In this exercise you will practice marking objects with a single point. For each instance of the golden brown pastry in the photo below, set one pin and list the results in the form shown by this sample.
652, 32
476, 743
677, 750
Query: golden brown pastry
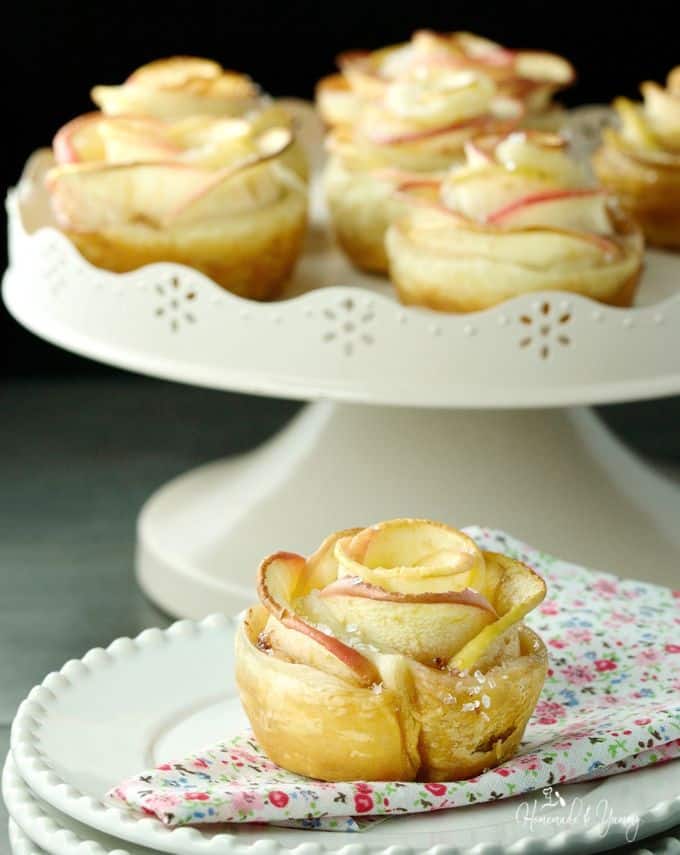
395, 652
525, 80
417, 128
518, 217
217, 194
640, 160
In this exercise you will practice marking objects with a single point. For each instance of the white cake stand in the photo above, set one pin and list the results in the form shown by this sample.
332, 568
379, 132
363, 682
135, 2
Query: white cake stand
509, 444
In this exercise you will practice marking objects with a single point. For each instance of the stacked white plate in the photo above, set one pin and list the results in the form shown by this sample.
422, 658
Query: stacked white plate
164, 694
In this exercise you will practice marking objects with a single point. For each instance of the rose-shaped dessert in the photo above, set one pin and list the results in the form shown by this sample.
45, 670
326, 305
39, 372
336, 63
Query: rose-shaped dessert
519, 216
525, 80
215, 194
640, 160
395, 652
418, 127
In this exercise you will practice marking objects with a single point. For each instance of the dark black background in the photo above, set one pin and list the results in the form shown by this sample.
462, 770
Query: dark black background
55, 51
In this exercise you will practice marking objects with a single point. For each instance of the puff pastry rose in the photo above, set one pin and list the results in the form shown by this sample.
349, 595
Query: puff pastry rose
395, 652
217, 194
525, 80
518, 217
640, 160
418, 127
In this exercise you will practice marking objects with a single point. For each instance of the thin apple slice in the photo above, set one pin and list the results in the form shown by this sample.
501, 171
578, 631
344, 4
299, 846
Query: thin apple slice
412, 556
79, 140
574, 208
251, 181
540, 248
426, 194
280, 578
486, 50
430, 628
662, 111
175, 72
96, 196
337, 103
544, 67
97, 137
441, 98
179, 87
404, 137
673, 81
602, 244
655, 157
349, 586
322, 565
635, 129
128, 140
193, 75
540, 154
519, 590
476, 192
220, 143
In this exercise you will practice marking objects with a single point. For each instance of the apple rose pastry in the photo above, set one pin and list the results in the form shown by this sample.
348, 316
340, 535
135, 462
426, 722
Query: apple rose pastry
395, 652
215, 194
418, 127
640, 160
525, 80
517, 217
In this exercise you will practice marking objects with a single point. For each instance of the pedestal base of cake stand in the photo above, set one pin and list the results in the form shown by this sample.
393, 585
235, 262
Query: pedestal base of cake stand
556, 478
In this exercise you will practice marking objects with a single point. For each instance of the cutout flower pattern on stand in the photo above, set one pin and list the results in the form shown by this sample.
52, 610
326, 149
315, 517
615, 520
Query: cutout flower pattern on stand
175, 304
545, 329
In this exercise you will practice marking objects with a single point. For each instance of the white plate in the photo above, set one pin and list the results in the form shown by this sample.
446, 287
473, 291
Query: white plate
22, 845
36, 827
166, 693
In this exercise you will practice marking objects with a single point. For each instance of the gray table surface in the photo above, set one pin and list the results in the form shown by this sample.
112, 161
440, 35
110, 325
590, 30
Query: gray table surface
78, 457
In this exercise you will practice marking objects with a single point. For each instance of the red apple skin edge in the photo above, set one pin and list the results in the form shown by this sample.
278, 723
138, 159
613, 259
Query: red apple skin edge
363, 668
501, 214
224, 174
604, 244
395, 139
347, 587
62, 144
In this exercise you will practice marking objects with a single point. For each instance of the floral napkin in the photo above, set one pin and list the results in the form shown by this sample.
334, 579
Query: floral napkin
611, 703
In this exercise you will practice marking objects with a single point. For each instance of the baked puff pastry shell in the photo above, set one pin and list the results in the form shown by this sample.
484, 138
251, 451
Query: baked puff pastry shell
395, 652
640, 160
525, 80
518, 217
216, 194
418, 128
